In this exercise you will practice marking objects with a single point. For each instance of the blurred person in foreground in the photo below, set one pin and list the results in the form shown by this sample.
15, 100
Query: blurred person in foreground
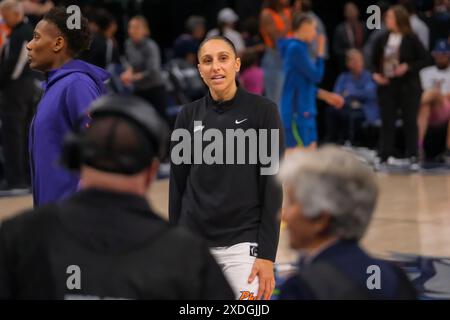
105, 242
331, 197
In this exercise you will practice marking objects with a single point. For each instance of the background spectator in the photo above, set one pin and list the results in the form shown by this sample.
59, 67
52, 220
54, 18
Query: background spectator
275, 23
435, 106
349, 34
144, 70
186, 45
303, 74
103, 50
307, 7
439, 21
360, 94
251, 75
375, 35
18, 99
331, 197
398, 57
418, 26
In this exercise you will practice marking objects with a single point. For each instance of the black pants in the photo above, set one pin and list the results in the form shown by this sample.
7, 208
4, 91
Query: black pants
157, 96
393, 98
17, 106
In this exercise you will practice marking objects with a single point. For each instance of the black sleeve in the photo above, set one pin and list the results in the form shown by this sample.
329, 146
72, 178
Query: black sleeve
214, 284
421, 57
271, 192
16, 42
178, 175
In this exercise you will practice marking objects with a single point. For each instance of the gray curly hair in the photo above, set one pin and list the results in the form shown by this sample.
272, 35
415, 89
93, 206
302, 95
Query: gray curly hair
333, 181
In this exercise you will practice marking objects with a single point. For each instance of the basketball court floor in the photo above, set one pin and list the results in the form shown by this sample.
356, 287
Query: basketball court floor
411, 225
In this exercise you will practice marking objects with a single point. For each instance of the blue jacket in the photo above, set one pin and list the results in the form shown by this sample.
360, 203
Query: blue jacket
352, 262
68, 92
363, 90
302, 75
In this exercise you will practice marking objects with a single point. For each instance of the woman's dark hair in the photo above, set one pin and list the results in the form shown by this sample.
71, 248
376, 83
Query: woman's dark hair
300, 19
78, 39
225, 39
402, 19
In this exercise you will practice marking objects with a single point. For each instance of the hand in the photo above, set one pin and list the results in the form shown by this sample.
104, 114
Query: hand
137, 76
380, 80
127, 77
401, 69
335, 100
264, 270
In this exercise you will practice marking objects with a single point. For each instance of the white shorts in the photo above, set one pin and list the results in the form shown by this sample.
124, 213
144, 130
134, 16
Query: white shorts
237, 262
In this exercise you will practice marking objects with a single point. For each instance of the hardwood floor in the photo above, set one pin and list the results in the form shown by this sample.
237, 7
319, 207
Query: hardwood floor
412, 216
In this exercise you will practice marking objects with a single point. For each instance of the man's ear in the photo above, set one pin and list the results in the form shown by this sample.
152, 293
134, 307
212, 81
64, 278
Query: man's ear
59, 44
322, 224
152, 171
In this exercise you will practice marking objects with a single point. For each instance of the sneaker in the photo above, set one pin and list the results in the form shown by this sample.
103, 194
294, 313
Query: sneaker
414, 164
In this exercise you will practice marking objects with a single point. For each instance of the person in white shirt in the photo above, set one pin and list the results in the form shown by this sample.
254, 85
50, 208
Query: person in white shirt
435, 103
226, 20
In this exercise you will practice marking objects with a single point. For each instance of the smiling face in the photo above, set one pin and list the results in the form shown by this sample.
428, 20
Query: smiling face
45, 46
218, 66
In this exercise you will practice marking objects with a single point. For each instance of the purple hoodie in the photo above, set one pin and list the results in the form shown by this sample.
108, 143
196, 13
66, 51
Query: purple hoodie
68, 92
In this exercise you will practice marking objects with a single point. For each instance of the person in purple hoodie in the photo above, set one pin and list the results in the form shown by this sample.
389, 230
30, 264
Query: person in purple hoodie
70, 87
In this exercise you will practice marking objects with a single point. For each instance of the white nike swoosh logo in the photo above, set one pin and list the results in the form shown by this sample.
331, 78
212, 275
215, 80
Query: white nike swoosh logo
198, 128
238, 122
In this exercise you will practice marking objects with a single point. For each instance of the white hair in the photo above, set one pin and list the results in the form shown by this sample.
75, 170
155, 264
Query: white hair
13, 5
332, 181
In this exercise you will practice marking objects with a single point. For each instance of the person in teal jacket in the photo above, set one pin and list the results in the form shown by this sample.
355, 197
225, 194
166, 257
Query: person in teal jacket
302, 75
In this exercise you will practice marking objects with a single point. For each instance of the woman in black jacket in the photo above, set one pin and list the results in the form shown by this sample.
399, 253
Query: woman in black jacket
398, 58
